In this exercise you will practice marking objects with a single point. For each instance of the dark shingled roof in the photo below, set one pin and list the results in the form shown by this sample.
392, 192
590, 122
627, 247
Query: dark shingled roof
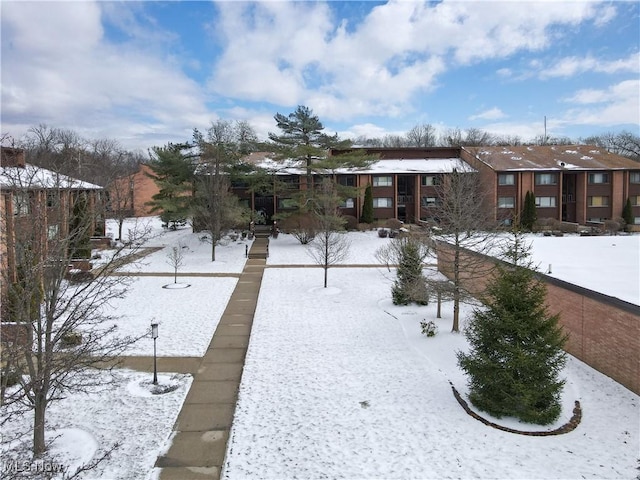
551, 157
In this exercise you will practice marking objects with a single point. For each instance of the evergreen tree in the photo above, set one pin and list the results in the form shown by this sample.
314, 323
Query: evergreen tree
516, 349
410, 285
79, 229
529, 215
174, 175
302, 141
367, 207
627, 212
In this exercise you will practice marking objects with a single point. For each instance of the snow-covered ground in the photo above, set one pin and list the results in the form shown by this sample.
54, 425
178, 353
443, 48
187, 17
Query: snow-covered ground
339, 383
83, 426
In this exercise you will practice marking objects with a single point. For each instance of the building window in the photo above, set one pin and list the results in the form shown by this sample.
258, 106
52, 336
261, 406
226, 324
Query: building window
53, 199
21, 203
430, 180
287, 203
348, 203
382, 181
598, 178
546, 179
636, 220
598, 201
52, 232
506, 179
429, 201
506, 202
545, 202
383, 202
635, 200
347, 180
634, 177
507, 222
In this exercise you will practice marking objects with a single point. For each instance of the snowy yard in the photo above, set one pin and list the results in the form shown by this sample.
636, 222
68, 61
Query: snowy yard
338, 382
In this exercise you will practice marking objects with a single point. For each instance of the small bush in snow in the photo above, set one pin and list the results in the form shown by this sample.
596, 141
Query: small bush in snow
429, 328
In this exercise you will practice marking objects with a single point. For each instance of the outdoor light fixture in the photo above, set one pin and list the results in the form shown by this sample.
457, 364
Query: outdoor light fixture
154, 335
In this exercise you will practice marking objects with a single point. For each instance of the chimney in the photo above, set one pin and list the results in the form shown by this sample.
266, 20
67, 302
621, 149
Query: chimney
12, 157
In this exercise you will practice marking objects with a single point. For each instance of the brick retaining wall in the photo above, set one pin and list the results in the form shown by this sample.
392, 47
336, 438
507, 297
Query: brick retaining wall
604, 332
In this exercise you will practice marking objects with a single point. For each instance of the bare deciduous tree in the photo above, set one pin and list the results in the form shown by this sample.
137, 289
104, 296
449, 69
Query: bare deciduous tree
465, 221
175, 258
66, 332
215, 208
330, 246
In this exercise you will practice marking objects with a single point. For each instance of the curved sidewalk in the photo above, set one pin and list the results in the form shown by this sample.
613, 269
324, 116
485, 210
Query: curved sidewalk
202, 428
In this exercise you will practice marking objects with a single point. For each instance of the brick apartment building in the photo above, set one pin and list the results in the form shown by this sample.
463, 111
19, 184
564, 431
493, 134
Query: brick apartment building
576, 183
131, 194
40, 202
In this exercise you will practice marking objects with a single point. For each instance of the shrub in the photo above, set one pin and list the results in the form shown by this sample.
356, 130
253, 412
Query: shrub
351, 222
394, 224
429, 328
71, 339
10, 377
303, 226
364, 227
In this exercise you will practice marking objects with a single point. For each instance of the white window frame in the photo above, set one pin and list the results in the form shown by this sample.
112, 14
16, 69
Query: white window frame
600, 178
383, 202
546, 179
383, 181
506, 202
347, 203
506, 179
430, 180
603, 198
635, 200
21, 203
428, 202
552, 202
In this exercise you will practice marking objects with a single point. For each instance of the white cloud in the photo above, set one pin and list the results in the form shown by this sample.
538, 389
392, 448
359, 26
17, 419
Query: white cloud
570, 66
492, 114
617, 105
370, 68
58, 68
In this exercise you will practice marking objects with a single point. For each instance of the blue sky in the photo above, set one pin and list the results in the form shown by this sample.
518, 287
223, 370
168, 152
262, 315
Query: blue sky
146, 73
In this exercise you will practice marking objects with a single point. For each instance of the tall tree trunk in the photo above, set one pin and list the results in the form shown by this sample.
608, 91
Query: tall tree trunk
40, 408
456, 288
439, 312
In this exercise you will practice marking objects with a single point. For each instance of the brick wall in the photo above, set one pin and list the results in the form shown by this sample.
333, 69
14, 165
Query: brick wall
604, 332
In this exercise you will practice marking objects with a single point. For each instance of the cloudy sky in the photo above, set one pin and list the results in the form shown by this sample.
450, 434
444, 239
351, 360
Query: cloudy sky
146, 73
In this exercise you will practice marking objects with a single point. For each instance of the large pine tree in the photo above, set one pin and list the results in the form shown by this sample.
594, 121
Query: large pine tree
516, 352
173, 172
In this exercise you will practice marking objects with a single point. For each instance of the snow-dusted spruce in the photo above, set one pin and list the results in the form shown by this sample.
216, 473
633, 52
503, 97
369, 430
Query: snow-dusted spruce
67, 335
408, 252
516, 347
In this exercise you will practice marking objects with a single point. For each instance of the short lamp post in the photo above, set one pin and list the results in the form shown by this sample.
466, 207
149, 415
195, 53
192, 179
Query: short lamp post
154, 335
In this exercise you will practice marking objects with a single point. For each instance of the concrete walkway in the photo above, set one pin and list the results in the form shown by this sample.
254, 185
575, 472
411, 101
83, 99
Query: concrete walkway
202, 428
